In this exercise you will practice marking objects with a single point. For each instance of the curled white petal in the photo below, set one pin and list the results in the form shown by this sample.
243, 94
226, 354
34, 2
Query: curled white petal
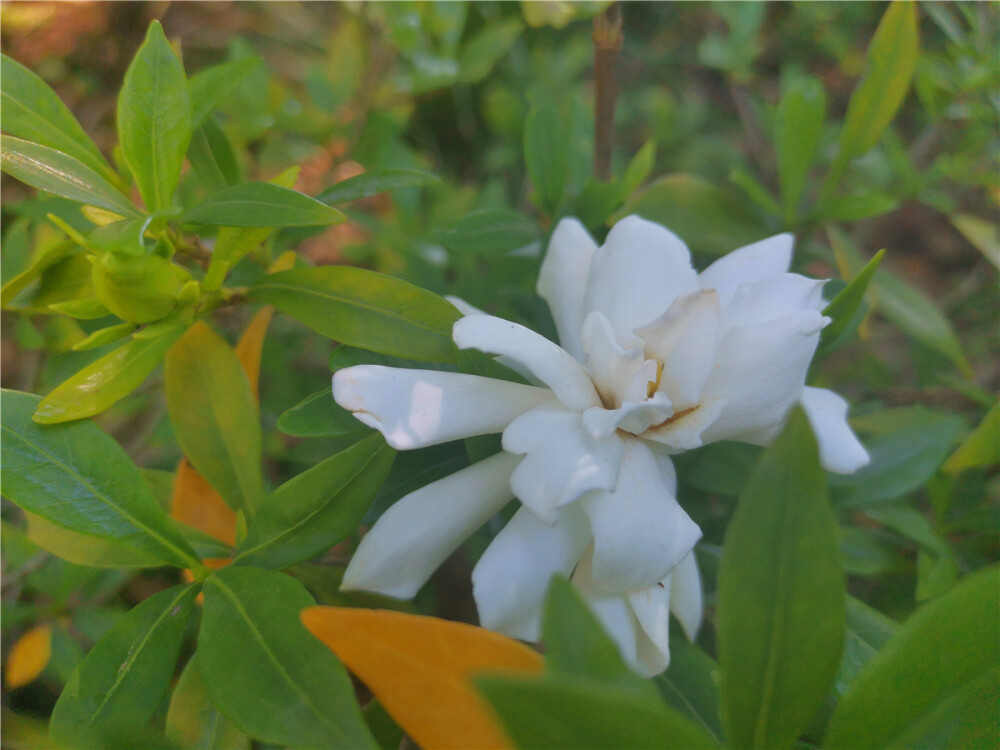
619, 375
548, 362
632, 417
511, 579
413, 537
417, 408
561, 460
652, 612
772, 297
684, 430
748, 264
840, 451
640, 531
686, 597
563, 280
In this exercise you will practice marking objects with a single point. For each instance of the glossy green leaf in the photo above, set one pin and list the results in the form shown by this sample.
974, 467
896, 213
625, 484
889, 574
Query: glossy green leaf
44, 465
842, 308
780, 621
981, 448
154, 119
690, 685
53, 171
262, 204
194, 722
364, 309
493, 231
213, 157
486, 48
798, 126
266, 672
577, 713
106, 381
314, 510
84, 549
34, 111
319, 415
208, 87
708, 219
867, 631
214, 414
935, 683
375, 182
118, 686
546, 154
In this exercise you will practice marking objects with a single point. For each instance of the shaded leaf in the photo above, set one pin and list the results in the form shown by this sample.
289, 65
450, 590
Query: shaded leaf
868, 630
194, 722
546, 154
485, 49
690, 685
208, 87
492, 231
262, 204
797, 129
981, 448
842, 308
375, 182
319, 415
213, 157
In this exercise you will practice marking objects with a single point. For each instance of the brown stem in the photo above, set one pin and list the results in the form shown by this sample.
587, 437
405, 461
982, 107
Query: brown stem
607, 41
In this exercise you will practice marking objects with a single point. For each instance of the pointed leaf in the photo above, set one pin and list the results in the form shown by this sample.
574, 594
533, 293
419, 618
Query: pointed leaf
251, 345
867, 631
194, 722
935, 684
214, 415
797, 130
780, 617
486, 48
420, 667
489, 232
690, 685
84, 549
546, 153
28, 656
364, 309
46, 465
213, 157
262, 204
106, 381
212, 85
118, 686
375, 182
264, 670
981, 448
318, 508
55, 172
639, 169
319, 415
154, 119
842, 308
33, 110
196, 503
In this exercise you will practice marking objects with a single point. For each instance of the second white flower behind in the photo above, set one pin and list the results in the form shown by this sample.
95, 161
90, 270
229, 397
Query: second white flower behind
655, 359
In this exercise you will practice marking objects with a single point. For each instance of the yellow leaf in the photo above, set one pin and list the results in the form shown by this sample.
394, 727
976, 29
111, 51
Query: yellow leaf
196, 503
419, 668
29, 656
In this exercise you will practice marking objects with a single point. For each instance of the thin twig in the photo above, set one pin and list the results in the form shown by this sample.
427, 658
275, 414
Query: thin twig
607, 41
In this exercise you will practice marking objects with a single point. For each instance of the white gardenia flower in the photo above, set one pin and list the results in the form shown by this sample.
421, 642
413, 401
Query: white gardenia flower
655, 359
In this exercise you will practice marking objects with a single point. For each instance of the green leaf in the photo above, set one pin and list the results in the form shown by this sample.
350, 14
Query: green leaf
577, 646
798, 126
262, 204
386, 731
780, 622
154, 119
755, 191
981, 448
577, 713
892, 58
489, 232
103, 336
213, 157
214, 414
485, 49
106, 381
546, 154
318, 508
708, 219
319, 415
45, 258
364, 309
596, 202
192, 720
208, 87
639, 169
690, 685
119, 684
842, 308
935, 683
375, 182
53, 171
862, 204
867, 631
33, 110
266, 672
45, 466
84, 549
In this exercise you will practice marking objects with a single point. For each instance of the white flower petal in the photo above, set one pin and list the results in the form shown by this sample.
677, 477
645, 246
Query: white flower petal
612, 610
619, 375
562, 281
684, 430
640, 531
631, 417
650, 659
763, 301
417, 408
684, 340
685, 595
840, 451
416, 534
638, 272
553, 366
464, 307
562, 461
652, 611
748, 264
511, 579
761, 370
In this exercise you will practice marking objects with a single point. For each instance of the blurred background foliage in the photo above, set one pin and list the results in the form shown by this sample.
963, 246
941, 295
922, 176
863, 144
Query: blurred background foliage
448, 88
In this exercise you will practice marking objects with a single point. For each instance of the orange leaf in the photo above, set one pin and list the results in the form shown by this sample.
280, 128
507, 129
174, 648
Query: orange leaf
419, 668
251, 344
29, 656
196, 503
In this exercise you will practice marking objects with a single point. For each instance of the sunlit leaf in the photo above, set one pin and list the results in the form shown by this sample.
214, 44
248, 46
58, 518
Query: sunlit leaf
84, 549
